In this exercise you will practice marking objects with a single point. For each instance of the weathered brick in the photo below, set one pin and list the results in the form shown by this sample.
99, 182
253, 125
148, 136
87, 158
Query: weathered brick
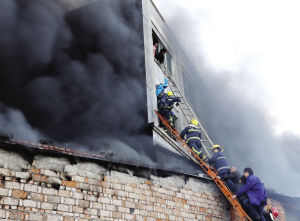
23, 175
16, 215
2, 213
92, 181
77, 195
40, 178
63, 207
91, 211
69, 183
5, 172
4, 192
12, 185
48, 206
128, 216
69, 201
78, 179
20, 194
34, 216
29, 203
117, 215
96, 205
83, 203
9, 201
68, 218
95, 188
110, 207
52, 217
47, 191
64, 193
36, 197
106, 213
77, 209
48, 172
90, 198
53, 199
84, 186
30, 188
105, 200
34, 170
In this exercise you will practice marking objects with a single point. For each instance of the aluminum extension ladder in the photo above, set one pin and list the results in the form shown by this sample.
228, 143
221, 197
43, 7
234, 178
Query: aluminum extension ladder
186, 109
210, 172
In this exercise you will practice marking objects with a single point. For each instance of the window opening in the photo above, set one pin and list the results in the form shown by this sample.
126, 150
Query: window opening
160, 52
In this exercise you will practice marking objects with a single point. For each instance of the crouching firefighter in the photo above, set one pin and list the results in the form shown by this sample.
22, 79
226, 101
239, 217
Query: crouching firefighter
219, 162
166, 105
193, 138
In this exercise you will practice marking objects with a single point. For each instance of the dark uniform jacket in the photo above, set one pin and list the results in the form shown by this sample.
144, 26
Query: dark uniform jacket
219, 162
235, 177
167, 102
191, 132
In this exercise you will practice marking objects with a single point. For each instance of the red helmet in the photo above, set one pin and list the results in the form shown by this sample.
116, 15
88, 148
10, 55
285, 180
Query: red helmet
275, 212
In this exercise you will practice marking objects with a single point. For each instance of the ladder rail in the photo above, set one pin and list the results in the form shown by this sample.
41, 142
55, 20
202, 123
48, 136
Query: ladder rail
168, 76
222, 186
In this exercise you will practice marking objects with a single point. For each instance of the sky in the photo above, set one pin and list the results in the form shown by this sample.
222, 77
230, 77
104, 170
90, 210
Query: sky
259, 37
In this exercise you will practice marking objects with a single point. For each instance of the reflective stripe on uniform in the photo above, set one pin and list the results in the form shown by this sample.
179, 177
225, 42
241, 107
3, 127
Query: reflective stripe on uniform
193, 130
196, 151
225, 167
219, 158
199, 153
190, 138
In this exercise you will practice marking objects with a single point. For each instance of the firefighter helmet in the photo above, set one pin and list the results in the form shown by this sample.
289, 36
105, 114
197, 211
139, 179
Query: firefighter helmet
217, 146
170, 93
195, 122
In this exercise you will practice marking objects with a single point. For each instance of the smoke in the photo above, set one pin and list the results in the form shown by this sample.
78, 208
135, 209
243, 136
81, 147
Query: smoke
231, 106
78, 78
15, 122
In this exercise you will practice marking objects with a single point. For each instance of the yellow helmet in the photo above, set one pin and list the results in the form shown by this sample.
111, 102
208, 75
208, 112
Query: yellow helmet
170, 93
195, 122
217, 146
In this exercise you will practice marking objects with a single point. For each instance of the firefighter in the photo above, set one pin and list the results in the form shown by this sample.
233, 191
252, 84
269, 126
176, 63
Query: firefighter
271, 214
193, 137
160, 88
219, 162
167, 104
257, 196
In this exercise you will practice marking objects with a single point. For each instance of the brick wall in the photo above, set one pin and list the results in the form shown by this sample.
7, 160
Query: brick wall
274, 203
51, 188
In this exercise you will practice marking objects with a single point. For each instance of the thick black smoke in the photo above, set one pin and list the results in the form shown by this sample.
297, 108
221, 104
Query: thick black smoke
234, 119
78, 78
68, 70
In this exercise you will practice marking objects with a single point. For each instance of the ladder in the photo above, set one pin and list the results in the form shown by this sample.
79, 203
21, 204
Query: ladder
186, 108
210, 172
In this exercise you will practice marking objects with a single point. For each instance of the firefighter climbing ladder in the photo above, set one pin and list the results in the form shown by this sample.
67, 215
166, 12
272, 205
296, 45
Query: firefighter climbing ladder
186, 109
222, 186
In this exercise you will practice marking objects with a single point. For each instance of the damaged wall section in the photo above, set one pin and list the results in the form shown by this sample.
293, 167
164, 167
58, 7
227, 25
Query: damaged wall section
49, 186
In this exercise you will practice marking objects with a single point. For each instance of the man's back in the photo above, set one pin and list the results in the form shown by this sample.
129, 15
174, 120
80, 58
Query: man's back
219, 161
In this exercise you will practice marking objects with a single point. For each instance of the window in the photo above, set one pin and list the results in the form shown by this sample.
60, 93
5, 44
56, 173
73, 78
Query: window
168, 63
160, 53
